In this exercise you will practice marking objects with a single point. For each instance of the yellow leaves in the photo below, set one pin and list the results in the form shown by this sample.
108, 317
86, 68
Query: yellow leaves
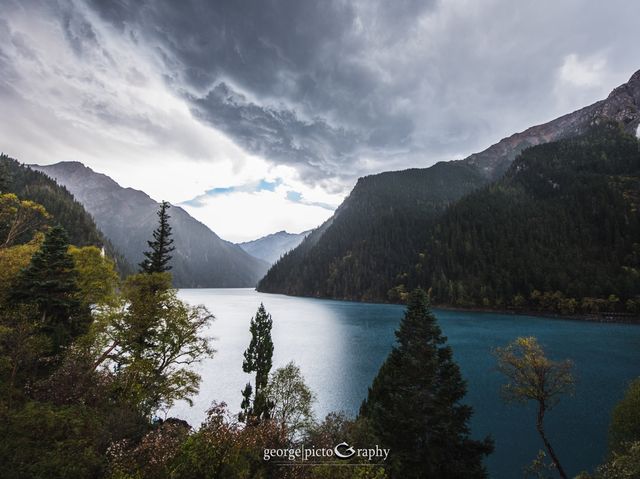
13, 260
531, 374
19, 218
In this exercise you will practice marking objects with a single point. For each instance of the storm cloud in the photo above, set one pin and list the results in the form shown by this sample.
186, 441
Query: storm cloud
331, 89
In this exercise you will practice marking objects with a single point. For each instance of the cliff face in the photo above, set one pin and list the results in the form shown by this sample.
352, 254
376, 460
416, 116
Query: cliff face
128, 217
622, 105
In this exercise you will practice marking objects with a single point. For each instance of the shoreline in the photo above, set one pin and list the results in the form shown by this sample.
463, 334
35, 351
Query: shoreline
619, 318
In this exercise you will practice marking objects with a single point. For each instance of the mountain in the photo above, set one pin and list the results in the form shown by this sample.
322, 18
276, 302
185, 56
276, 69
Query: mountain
128, 217
374, 237
560, 231
271, 247
33, 185
622, 105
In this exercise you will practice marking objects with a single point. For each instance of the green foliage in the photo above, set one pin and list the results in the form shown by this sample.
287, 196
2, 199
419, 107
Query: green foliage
158, 257
415, 403
290, 399
625, 420
258, 359
50, 283
375, 234
559, 232
97, 277
150, 339
44, 441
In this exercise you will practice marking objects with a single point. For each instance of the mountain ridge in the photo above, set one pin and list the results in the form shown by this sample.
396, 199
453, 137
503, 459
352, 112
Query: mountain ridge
271, 247
128, 216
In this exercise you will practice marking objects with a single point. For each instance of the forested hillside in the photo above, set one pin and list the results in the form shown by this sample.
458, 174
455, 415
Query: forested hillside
375, 233
33, 185
559, 232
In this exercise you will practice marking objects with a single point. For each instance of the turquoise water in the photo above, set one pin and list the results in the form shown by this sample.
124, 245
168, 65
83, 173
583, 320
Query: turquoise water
339, 347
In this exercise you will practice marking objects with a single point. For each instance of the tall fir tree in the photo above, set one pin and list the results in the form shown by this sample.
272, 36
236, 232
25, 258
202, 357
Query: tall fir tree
414, 404
50, 282
258, 359
158, 257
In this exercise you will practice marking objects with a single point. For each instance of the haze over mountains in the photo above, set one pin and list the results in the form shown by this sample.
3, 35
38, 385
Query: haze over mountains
375, 239
270, 248
128, 217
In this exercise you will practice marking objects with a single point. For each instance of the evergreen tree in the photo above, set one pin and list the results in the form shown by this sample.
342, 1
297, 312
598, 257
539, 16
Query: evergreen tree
157, 259
50, 283
258, 359
414, 404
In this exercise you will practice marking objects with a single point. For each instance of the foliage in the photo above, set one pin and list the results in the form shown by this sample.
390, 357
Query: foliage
97, 277
12, 261
414, 404
150, 339
50, 283
290, 399
258, 359
532, 376
625, 420
19, 219
158, 257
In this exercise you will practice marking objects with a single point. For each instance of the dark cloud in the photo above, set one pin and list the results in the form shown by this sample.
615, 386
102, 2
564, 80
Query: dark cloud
341, 88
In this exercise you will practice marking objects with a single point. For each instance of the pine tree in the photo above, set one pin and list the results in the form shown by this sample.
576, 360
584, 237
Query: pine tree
258, 359
157, 259
414, 404
50, 283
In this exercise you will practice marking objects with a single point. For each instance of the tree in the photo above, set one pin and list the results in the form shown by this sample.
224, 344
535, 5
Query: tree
532, 376
19, 219
291, 400
625, 420
149, 340
414, 404
97, 277
157, 259
51, 283
258, 359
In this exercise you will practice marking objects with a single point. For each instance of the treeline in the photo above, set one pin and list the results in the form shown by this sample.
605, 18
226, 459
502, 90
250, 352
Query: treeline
374, 234
559, 232
60, 204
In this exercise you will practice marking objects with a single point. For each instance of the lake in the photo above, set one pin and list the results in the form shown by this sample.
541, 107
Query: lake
340, 345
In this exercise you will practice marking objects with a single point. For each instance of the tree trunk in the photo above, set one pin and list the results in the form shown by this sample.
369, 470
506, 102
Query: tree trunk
547, 444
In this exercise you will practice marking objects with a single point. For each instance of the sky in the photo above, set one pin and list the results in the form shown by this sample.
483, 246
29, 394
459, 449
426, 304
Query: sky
259, 115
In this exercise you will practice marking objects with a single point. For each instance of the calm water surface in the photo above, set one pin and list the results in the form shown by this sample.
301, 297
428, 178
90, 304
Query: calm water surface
339, 347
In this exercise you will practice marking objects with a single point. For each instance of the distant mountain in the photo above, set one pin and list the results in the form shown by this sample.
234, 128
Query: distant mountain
271, 247
33, 185
560, 231
376, 235
128, 217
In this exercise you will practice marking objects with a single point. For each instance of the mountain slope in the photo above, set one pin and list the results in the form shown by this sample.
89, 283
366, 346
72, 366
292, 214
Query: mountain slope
622, 105
271, 247
371, 238
60, 203
128, 217
372, 235
560, 231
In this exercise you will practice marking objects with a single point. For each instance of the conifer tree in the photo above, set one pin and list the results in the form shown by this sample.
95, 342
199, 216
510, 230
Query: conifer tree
158, 257
258, 359
50, 283
414, 404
